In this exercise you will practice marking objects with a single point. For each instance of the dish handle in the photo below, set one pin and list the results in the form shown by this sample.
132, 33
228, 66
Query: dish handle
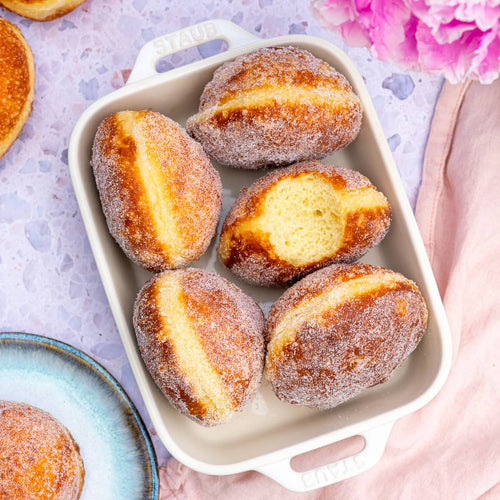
324, 475
186, 38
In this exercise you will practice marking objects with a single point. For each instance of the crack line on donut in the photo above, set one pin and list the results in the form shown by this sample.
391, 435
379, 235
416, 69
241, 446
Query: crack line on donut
191, 357
286, 329
155, 188
326, 98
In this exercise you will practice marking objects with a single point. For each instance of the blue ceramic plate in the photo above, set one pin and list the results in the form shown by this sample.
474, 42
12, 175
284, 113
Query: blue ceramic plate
116, 449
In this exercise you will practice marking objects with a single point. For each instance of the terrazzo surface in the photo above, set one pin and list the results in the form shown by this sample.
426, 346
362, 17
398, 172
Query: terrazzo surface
49, 281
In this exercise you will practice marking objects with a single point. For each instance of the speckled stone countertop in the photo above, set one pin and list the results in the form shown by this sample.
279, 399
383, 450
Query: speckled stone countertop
49, 281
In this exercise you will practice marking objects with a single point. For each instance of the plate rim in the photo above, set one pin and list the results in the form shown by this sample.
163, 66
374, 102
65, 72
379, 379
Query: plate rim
78, 355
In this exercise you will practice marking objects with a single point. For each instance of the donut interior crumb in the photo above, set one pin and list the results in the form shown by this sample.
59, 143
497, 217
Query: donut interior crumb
304, 217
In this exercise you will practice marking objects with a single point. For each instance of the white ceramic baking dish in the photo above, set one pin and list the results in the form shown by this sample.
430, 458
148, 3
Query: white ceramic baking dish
268, 433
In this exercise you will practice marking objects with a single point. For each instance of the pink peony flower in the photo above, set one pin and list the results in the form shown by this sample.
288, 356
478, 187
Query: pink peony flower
457, 38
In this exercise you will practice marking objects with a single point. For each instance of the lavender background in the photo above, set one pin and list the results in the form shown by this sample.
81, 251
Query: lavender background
49, 284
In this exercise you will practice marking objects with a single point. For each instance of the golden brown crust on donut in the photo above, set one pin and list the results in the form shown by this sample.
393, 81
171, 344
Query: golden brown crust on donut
300, 218
160, 194
275, 106
41, 10
341, 330
17, 83
202, 340
39, 458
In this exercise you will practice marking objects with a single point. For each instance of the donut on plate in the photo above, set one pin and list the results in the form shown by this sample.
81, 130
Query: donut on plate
38, 457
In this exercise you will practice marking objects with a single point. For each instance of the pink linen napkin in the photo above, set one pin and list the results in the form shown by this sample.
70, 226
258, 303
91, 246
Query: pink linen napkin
450, 449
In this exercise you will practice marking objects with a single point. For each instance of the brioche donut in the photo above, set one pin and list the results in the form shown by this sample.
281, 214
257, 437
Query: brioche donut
202, 340
38, 457
17, 83
300, 218
159, 192
273, 107
341, 330
41, 10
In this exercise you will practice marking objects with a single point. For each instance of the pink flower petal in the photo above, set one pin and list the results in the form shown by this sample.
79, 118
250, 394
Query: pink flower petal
333, 13
453, 60
458, 38
355, 35
486, 62
342, 17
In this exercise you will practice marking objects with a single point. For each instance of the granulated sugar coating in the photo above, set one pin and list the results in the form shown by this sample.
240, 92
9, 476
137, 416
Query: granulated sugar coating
41, 10
17, 83
273, 107
202, 340
159, 192
341, 330
38, 457
300, 218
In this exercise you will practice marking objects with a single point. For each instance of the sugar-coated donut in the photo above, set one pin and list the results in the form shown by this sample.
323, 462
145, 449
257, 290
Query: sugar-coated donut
17, 83
159, 192
341, 330
275, 106
41, 10
38, 457
300, 218
202, 340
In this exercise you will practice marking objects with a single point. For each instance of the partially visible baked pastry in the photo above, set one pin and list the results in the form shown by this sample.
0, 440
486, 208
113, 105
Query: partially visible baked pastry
41, 10
202, 340
300, 218
38, 457
159, 192
341, 330
275, 106
17, 83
